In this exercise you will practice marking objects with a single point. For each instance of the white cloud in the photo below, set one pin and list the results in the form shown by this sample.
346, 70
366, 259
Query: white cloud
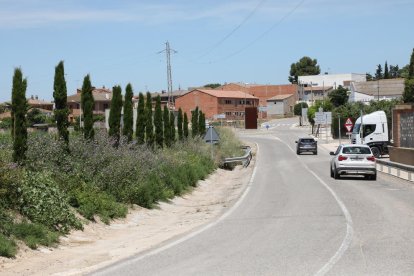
35, 13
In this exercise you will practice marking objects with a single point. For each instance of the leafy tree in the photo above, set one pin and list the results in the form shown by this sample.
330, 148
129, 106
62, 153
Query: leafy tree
115, 113
19, 108
369, 77
304, 67
88, 103
141, 120
378, 73
394, 72
194, 122
149, 127
34, 116
403, 72
338, 96
180, 124
61, 106
172, 127
297, 109
167, 131
185, 126
408, 95
212, 85
159, 133
128, 129
386, 72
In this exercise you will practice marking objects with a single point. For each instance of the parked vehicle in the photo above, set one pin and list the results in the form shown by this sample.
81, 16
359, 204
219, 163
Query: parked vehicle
307, 144
374, 132
353, 159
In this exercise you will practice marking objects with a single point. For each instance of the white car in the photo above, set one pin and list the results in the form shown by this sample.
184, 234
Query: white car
353, 159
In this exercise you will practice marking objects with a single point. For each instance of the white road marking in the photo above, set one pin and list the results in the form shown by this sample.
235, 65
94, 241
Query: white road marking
349, 224
193, 234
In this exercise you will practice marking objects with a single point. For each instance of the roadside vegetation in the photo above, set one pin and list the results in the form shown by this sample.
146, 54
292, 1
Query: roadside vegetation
51, 184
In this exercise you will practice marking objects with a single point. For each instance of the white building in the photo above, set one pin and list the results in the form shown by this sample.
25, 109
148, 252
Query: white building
333, 80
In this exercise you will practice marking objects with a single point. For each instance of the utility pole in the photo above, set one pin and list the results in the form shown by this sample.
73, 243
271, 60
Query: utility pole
168, 51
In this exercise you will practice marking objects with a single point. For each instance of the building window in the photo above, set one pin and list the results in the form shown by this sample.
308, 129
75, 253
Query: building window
227, 101
228, 113
106, 106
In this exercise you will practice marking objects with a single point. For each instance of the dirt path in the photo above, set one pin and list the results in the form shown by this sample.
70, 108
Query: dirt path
100, 245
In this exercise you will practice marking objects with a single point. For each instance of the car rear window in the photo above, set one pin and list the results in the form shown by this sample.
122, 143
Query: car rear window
356, 150
307, 140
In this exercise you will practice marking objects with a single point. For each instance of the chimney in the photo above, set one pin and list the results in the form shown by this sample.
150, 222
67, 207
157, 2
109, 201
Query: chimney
37, 97
32, 97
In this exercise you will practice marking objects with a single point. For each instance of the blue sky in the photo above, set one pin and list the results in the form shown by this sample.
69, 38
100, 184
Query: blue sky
253, 41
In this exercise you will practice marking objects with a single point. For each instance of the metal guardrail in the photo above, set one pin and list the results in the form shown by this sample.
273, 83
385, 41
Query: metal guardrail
245, 159
407, 168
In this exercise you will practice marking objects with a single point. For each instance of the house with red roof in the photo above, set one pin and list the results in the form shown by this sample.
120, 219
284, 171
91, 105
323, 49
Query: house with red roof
217, 102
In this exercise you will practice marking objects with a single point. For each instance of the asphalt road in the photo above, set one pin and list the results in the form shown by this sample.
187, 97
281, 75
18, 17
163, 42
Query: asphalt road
295, 220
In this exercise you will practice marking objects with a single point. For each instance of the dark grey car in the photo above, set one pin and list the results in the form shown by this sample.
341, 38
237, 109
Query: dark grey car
307, 144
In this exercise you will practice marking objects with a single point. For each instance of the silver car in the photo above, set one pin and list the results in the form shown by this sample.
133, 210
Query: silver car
353, 160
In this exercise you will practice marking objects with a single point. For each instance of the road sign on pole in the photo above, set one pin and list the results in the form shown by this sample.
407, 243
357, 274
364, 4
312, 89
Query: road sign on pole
348, 124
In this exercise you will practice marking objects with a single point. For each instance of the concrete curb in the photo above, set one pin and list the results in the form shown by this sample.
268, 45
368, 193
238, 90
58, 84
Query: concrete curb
402, 171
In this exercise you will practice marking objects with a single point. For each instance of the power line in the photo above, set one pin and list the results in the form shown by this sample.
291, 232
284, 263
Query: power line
261, 35
234, 30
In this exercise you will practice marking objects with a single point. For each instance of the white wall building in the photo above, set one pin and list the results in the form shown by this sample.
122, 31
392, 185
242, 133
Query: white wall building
333, 80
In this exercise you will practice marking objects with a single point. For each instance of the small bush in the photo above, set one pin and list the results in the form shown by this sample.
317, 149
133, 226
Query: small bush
42, 202
34, 234
90, 202
8, 248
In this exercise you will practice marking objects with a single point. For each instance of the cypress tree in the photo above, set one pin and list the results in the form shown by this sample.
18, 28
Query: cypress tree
167, 132
149, 127
172, 127
408, 95
386, 71
185, 126
140, 124
128, 130
194, 122
88, 103
61, 106
115, 113
159, 133
180, 124
19, 108
201, 123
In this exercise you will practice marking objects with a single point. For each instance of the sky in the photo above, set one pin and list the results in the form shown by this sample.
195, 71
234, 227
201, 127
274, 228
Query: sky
215, 41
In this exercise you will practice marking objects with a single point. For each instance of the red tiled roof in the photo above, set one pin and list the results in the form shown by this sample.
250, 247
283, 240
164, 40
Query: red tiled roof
226, 94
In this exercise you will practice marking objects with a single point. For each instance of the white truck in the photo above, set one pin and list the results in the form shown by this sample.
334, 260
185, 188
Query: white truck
374, 132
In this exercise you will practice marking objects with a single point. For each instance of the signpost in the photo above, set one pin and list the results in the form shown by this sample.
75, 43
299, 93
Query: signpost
348, 125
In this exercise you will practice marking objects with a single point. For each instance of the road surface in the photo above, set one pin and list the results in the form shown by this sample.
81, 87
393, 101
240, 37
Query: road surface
294, 219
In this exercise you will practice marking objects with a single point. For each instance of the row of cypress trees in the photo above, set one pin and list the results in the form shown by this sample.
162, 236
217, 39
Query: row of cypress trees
154, 128
163, 121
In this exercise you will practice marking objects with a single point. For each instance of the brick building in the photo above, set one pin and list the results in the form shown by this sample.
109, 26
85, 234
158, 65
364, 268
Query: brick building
214, 102
263, 92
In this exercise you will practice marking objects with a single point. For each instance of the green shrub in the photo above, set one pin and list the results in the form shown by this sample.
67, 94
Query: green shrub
42, 202
229, 146
34, 234
8, 248
90, 202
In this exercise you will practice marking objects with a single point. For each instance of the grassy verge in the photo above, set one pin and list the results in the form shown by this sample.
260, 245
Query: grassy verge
94, 179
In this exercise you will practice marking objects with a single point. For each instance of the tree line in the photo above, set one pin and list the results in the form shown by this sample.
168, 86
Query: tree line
155, 129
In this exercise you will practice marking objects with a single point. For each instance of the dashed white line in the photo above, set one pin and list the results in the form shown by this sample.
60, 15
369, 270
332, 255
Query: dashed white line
349, 224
